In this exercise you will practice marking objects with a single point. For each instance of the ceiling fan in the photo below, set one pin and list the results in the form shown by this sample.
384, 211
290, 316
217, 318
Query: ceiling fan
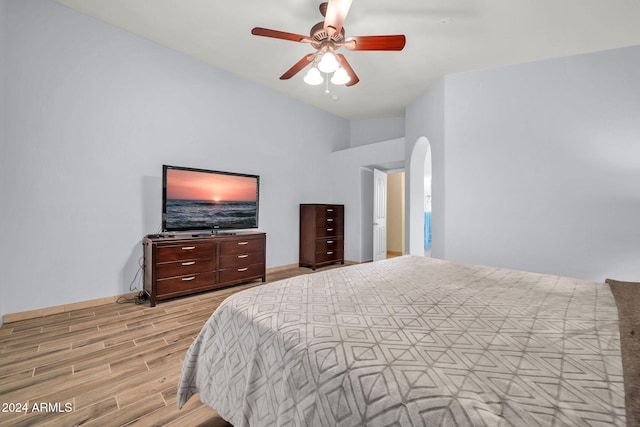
327, 37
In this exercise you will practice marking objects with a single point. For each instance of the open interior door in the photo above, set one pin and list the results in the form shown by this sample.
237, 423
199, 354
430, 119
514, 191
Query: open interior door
379, 215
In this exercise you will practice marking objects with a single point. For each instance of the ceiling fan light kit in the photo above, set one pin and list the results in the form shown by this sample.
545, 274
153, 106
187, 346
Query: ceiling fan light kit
328, 63
313, 77
327, 37
340, 77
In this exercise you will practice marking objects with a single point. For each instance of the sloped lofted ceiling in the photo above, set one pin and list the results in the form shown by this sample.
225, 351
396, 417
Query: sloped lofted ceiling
443, 37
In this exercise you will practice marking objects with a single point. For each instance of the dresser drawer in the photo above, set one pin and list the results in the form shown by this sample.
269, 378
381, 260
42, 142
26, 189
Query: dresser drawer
328, 212
241, 260
241, 273
185, 251
327, 256
323, 245
329, 222
329, 230
241, 246
186, 283
185, 267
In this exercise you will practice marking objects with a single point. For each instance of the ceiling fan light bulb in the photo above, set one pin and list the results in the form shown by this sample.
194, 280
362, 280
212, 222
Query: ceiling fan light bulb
340, 77
328, 63
313, 77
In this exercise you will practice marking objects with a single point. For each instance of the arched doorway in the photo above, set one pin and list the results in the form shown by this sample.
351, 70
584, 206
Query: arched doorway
419, 177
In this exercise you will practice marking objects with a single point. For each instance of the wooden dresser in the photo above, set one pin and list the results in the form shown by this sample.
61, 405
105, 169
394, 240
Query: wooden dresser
176, 266
321, 235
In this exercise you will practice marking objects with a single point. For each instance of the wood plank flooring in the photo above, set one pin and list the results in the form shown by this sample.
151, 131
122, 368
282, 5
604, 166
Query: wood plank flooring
111, 365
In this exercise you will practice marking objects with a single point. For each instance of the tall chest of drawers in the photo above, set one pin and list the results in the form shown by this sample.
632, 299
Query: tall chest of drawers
177, 266
321, 235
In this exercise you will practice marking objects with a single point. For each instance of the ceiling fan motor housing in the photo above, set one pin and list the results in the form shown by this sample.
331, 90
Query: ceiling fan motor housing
319, 35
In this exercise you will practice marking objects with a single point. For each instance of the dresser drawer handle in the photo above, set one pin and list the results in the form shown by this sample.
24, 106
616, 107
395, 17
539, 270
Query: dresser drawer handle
186, 279
330, 210
329, 219
243, 269
188, 248
243, 243
330, 253
329, 242
188, 263
243, 256
329, 229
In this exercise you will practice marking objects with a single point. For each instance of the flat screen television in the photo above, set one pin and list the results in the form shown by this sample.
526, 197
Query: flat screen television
200, 199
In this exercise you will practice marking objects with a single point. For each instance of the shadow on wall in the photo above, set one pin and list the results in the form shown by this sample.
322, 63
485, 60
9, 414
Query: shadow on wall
151, 204
131, 274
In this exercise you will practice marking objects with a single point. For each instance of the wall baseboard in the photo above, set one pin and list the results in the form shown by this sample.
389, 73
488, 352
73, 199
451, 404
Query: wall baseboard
272, 270
47, 311
57, 309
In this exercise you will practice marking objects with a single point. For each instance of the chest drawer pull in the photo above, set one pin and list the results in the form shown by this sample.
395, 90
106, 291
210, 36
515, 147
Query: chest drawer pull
330, 253
243, 256
330, 210
329, 229
186, 279
188, 263
243, 269
243, 243
329, 242
329, 219
188, 248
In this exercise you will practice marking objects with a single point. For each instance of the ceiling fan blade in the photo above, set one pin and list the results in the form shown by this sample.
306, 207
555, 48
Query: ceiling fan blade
335, 15
265, 32
308, 59
395, 42
347, 67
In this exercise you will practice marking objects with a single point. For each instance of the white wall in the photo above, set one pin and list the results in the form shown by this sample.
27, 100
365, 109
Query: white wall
367, 131
542, 165
353, 186
92, 114
425, 127
3, 165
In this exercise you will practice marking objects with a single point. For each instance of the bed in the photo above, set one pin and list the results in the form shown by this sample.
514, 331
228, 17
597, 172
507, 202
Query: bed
412, 341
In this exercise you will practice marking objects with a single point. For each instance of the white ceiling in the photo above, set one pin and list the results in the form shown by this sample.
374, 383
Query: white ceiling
443, 37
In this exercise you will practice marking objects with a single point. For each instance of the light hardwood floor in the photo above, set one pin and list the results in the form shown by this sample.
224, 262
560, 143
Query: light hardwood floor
111, 365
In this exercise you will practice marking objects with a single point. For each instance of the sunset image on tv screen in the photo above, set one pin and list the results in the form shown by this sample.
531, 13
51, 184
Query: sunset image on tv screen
210, 200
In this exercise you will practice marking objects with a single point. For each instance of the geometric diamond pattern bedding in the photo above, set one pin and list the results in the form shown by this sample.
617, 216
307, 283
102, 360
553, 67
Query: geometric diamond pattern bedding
412, 341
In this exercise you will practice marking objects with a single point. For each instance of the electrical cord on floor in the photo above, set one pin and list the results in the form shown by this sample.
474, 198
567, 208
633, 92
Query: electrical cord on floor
142, 296
139, 299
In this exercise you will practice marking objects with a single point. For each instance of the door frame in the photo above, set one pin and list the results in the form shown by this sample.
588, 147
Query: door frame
379, 215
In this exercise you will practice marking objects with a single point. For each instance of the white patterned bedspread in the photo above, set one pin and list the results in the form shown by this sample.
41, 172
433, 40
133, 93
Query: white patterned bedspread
412, 341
